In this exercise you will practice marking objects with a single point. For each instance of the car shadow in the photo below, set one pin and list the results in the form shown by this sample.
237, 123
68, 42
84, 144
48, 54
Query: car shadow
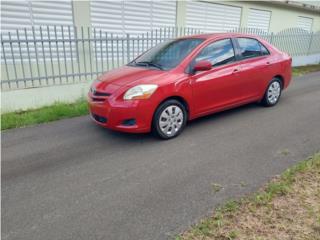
223, 114
143, 137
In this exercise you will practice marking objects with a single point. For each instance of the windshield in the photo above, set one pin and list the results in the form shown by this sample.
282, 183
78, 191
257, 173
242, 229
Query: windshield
167, 55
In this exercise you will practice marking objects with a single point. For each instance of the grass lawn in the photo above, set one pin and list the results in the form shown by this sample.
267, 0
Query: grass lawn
299, 71
287, 208
64, 110
46, 114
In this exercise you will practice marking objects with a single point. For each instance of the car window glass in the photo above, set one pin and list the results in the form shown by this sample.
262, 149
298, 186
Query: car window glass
264, 50
170, 53
249, 47
218, 53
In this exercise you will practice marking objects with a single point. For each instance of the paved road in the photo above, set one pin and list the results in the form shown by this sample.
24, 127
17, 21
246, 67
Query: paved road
73, 180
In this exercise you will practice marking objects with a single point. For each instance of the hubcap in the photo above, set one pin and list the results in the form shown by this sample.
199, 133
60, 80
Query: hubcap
171, 120
274, 92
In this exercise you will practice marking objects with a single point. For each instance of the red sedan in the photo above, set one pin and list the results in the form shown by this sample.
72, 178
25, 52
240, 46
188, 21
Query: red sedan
186, 78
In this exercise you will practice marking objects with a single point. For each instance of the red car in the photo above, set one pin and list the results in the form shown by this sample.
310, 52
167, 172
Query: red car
186, 78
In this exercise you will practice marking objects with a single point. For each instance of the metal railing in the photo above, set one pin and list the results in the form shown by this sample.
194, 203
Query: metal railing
294, 41
56, 55
63, 54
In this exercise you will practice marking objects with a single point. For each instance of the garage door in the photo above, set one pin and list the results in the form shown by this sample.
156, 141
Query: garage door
134, 17
305, 23
212, 17
259, 19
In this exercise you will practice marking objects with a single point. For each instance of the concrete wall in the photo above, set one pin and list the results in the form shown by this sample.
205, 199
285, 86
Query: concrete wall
306, 60
286, 15
31, 98
282, 17
81, 13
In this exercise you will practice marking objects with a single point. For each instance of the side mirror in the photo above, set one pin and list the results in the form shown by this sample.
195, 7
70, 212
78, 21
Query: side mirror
203, 65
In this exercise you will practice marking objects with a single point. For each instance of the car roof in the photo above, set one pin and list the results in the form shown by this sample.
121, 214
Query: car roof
219, 35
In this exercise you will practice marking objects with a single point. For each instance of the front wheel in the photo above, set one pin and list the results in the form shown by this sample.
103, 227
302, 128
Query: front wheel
273, 93
169, 119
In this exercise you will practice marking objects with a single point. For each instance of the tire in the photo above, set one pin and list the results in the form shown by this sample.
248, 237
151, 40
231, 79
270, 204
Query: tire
169, 119
273, 93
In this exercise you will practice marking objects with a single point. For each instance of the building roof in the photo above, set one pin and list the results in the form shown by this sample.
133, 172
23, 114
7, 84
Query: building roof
313, 6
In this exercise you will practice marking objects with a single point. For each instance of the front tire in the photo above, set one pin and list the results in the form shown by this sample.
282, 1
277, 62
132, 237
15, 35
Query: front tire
169, 119
273, 93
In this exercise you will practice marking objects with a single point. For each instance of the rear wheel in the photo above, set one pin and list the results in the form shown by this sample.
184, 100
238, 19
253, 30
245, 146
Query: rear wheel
273, 93
169, 119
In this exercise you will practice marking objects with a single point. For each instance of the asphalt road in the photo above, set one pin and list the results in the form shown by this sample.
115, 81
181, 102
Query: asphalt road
71, 179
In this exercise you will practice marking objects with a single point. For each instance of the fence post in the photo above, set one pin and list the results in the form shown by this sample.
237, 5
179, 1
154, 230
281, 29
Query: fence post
128, 47
310, 43
271, 38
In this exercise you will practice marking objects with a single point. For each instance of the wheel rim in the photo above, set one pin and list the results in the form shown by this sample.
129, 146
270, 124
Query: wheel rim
274, 92
171, 120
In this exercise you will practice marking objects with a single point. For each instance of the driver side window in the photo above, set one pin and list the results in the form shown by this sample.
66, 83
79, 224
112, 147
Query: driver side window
218, 53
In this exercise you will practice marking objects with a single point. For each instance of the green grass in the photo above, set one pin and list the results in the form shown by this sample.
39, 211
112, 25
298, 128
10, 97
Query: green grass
299, 71
63, 110
42, 115
227, 214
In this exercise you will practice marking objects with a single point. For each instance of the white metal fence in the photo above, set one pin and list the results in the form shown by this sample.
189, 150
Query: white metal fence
64, 54
294, 41
56, 55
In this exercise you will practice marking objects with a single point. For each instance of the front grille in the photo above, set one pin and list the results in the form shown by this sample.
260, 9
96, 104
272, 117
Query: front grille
101, 94
98, 96
98, 99
99, 118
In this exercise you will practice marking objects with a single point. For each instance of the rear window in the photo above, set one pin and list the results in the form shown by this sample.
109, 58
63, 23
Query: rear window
250, 48
264, 50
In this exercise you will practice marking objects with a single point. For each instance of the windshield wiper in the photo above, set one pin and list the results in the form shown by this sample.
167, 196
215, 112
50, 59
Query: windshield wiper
152, 64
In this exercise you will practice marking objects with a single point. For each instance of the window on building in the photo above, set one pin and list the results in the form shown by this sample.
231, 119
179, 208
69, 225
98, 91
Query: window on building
218, 53
133, 17
259, 19
305, 23
249, 47
212, 17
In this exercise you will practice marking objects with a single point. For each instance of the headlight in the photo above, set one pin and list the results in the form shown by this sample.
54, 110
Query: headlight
143, 91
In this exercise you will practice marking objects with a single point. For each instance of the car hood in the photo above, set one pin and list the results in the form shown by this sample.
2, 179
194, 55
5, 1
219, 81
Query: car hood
128, 76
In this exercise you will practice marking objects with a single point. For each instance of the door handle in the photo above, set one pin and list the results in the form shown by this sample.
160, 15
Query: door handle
268, 63
236, 70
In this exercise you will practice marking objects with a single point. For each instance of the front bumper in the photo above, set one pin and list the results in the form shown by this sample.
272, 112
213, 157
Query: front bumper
125, 116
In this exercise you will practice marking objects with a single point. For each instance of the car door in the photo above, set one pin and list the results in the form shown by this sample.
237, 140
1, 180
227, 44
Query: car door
216, 88
254, 63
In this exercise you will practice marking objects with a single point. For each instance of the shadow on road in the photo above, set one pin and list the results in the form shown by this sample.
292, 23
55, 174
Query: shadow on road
131, 137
